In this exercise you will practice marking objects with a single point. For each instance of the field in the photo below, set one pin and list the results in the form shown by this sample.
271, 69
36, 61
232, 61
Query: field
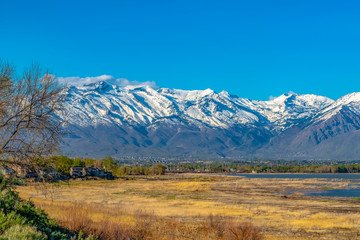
199, 206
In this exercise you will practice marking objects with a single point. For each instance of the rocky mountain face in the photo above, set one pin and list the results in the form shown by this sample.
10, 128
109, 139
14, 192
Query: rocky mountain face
105, 118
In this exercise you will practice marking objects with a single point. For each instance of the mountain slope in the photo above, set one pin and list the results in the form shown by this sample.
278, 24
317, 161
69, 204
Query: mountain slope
332, 133
106, 118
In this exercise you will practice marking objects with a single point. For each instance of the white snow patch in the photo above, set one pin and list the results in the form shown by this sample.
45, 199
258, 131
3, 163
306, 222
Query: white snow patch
119, 82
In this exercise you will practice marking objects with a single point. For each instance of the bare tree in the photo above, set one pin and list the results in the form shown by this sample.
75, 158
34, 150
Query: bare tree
28, 126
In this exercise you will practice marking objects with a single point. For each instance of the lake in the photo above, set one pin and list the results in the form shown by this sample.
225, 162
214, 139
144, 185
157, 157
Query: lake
345, 176
353, 189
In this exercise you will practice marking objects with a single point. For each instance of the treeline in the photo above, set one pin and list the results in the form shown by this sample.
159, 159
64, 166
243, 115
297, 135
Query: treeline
62, 165
251, 168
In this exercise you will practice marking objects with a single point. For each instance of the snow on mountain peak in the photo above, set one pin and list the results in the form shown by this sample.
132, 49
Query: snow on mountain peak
106, 100
207, 91
81, 82
351, 100
91, 81
225, 94
290, 107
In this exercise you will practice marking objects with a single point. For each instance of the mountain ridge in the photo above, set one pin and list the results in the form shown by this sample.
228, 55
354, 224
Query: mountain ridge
142, 120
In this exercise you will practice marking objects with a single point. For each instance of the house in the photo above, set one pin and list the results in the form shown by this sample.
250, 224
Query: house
95, 172
76, 172
18, 170
91, 171
7, 171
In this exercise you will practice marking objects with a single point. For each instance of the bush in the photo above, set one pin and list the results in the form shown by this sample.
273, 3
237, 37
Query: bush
63, 164
8, 220
221, 228
18, 232
243, 231
15, 211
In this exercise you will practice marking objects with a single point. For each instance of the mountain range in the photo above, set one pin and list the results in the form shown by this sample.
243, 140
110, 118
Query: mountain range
107, 118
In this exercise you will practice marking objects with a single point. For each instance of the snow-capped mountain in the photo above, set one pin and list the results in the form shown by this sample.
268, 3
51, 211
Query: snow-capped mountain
108, 118
286, 110
350, 101
333, 132
102, 103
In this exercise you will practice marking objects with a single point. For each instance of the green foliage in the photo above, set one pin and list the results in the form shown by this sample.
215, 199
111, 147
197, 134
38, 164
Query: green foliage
8, 220
63, 164
108, 163
123, 171
78, 162
44, 164
89, 162
18, 232
266, 167
157, 169
15, 211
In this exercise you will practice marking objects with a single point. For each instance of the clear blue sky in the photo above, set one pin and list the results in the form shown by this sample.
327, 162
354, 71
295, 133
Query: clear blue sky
254, 49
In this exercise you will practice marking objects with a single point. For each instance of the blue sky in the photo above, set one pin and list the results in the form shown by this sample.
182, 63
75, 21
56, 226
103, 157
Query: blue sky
254, 49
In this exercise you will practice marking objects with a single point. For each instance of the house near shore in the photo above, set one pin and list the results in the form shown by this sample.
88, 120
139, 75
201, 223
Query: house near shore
18, 170
95, 172
76, 172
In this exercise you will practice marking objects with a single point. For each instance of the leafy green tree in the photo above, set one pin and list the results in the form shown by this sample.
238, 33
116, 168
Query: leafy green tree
78, 162
122, 171
108, 163
63, 164
89, 162
138, 170
157, 169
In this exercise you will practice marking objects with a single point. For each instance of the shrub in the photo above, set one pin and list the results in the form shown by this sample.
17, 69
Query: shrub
18, 232
8, 220
63, 164
221, 228
15, 211
243, 231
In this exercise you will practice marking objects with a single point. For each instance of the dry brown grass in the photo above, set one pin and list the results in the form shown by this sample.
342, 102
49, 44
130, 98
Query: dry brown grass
178, 207
79, 217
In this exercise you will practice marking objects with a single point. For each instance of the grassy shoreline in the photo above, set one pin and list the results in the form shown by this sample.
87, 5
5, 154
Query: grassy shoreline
187, 201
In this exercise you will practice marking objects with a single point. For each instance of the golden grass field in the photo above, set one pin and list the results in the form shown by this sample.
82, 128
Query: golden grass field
184, 201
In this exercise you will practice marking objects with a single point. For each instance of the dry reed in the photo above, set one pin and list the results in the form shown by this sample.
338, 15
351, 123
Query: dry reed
78, 217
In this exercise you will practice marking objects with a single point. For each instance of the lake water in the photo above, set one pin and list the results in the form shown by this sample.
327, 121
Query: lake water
353, 189
344, 176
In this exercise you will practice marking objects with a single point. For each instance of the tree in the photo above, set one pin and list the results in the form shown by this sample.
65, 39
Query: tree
157, 169
28, 125
108, 163
98, 163
79, 162
89, 162
63, 164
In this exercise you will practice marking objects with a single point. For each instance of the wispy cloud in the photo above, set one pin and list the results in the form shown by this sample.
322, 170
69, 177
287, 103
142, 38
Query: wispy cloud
121, 82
